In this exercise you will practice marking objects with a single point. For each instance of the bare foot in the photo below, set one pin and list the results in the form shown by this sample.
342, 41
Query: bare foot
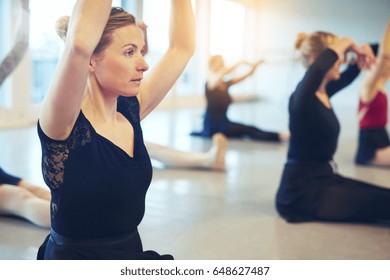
220, 144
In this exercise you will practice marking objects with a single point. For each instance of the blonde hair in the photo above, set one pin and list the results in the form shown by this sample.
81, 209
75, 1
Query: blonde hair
118, 18
213, 60
311, 45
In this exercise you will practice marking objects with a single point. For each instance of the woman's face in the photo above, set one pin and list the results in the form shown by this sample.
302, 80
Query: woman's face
333, 73
217, 63
120, 68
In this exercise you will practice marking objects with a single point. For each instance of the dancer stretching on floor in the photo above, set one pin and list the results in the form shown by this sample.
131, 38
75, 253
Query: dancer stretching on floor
310, 187
218, 102
374, 141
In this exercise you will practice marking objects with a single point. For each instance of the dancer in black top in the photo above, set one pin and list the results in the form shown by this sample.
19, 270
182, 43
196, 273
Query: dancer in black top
94, 159
218, 101
21, 198
310, 187
374, 140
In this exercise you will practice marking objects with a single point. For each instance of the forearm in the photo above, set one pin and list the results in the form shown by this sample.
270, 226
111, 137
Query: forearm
88, 20
376, 79
166, 72
313, 78
243, 77
384, 51
62, 102
182, 26
346, 78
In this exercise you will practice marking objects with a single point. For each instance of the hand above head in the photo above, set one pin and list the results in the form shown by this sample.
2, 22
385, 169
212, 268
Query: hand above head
364, 54
365, 57
143, 26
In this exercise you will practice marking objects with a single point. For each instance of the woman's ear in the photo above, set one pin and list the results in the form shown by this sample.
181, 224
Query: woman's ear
91, 66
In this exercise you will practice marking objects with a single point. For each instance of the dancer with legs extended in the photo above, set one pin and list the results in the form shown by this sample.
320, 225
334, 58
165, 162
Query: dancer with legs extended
218, 102
310, 187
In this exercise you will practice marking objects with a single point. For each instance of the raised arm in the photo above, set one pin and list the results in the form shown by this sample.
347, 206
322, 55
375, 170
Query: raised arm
62, 103
352, 72
162, 77
252, 69
230, 69
384, 50
376, 79
311, 82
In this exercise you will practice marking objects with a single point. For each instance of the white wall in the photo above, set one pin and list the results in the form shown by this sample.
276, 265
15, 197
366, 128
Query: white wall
279, 21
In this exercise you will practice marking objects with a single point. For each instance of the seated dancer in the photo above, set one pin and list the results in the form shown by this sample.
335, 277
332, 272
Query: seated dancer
374, 141
218, 101
310, 187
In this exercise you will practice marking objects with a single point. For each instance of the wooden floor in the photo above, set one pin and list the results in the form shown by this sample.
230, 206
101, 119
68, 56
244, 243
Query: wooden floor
195, 214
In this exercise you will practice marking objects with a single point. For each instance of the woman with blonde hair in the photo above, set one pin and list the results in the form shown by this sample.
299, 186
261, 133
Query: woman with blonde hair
218, 98
374, 141
93, 156
310, 187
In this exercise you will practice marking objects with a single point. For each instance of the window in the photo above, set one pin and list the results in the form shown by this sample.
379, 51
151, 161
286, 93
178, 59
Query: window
156, 16
227, 29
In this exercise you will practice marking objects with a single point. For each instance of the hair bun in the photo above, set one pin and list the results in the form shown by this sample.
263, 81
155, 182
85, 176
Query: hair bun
61, 26
299, 40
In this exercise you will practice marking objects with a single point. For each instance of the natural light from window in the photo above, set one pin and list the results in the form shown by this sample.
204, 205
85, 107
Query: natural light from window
227, 29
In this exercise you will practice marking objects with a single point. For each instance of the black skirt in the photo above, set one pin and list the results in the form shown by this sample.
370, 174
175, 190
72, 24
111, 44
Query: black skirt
313, 191
370, 140
124, 247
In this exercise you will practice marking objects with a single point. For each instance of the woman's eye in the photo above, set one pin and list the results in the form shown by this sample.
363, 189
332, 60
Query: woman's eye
129, 53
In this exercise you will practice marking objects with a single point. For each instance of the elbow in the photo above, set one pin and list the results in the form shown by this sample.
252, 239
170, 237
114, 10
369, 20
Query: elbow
384, 62
186, 45
190, 50
385, 57
79, 46
185, 51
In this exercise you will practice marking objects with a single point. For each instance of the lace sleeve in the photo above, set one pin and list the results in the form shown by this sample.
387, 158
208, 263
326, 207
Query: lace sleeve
129, 107
55, 153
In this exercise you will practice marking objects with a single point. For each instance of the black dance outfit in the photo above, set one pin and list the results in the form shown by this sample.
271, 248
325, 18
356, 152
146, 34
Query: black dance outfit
98, 192
310, 188
8, 179
215, 119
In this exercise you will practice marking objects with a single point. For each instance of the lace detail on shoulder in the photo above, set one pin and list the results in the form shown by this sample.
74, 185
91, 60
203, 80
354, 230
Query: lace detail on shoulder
56, 153
81, 134
129, 107
53, 161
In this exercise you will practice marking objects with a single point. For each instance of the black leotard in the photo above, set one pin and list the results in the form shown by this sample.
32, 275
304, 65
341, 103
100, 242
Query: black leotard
98, 190
216, 119
9, 179
310, 188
